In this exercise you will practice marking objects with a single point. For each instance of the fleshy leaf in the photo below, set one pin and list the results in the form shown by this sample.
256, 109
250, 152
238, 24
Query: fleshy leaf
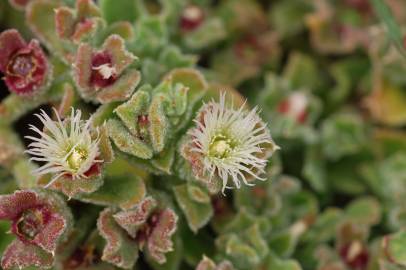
208, 264
131, 220
40, 18
122, 89
121, 250
127, 10
123, 186
159, 242
273, 262
246, 248
79, 23
10, 147
364, 211
211, 32
198, 213
343, 134
21, 255
126, 142
395, 247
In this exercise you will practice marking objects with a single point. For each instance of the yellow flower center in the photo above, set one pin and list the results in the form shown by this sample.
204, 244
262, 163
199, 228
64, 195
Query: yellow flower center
220, 146
76, 158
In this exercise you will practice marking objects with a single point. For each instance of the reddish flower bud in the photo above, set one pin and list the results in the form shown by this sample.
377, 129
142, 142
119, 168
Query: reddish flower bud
105, 75
255, 49
19, 4
295, 106
40, 220
25, 66
355, 255
247, 48
191, 18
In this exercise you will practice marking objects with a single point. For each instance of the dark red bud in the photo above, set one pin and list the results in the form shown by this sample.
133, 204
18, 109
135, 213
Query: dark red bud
103, 72
143, 123
249, 49
284, 106
25, 66
355, 255
294, 106
192, 17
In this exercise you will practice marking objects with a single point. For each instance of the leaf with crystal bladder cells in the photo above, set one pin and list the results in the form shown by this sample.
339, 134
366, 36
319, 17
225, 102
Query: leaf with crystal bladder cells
122, 89
159, 124
5, 238
197, 213
274, 263
22, 169
126, 10
211, 32
245, 248
283, 243
197, 88
123, 186
343, 134
126, 142
165, 159
388, 19
395, 246
151, 35
173, 258
196, 245
238, 251
121, 250
134, 107
325, 227
365, 210
40, 18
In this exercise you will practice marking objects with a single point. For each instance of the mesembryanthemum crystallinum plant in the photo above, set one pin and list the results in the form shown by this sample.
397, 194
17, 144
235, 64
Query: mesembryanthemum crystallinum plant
127, 155
124, 143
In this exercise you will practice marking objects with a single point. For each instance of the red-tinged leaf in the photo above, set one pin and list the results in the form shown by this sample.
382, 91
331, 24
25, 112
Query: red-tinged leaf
132, 220
50, 234
10, 42
160, 241
121, 58
120, 250
12, 205
20, 255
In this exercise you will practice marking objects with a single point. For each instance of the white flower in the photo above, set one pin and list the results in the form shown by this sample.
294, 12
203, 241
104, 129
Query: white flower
106, 71
231, 142
67, 147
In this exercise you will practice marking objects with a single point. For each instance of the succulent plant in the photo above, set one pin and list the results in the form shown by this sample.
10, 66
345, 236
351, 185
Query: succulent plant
206, 135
